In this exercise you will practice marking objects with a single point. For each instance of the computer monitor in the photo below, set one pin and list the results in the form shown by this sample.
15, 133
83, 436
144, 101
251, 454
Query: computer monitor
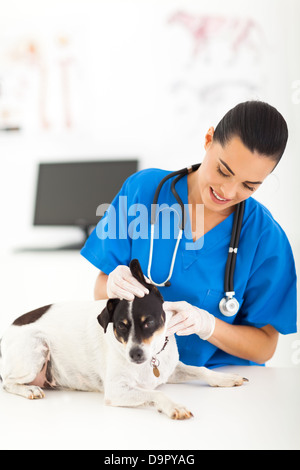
68, 194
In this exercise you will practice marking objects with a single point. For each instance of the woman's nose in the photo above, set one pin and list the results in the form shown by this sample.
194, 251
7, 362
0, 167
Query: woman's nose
229, 191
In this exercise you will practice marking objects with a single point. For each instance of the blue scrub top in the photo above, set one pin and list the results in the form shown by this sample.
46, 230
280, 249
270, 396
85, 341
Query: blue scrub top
265, 277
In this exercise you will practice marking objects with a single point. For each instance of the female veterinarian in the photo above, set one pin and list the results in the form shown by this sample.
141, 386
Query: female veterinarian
230, 281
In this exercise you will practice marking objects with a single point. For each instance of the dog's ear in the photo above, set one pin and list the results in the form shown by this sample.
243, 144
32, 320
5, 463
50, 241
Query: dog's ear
137, 272
106, 316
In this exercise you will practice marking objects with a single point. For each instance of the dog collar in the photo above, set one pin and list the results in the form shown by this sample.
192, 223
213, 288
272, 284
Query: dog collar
155, 362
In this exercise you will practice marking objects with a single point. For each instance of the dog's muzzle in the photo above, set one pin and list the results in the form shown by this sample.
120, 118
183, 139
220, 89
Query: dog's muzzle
136, 355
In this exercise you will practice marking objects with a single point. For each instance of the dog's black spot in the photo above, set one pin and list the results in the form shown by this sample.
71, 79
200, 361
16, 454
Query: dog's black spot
148, 316
31, 317
122, 324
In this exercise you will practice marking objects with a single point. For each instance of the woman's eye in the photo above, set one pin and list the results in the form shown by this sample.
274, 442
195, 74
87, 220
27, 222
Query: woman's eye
221, 172
248, 187
227, 176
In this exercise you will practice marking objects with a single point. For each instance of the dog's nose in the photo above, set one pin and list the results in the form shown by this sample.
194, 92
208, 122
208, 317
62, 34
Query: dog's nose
136, 355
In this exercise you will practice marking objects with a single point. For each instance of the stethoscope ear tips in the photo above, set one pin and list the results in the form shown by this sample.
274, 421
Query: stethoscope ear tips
167, 284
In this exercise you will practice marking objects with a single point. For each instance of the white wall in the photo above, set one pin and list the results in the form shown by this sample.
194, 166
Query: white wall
139, 87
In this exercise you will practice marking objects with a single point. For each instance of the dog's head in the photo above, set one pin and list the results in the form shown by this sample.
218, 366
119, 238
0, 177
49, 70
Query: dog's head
140, 324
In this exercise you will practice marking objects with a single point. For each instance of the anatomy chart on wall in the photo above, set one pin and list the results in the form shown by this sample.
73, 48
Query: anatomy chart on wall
222, 63
156, 72
39, 81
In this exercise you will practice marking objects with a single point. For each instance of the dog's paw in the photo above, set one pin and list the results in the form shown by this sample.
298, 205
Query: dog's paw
175, 411
33, 392
180, 412
226, 380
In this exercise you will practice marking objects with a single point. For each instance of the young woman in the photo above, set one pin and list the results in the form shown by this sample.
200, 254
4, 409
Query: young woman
240, 153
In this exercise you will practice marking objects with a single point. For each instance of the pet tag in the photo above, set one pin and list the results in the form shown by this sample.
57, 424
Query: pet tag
155, 363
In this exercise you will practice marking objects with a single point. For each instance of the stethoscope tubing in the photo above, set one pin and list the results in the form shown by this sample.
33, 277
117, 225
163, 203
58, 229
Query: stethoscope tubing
178, 174
158, 189
166, 282
233, 248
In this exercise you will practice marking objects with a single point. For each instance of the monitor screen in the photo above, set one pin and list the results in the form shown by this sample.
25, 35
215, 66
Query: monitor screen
69, 193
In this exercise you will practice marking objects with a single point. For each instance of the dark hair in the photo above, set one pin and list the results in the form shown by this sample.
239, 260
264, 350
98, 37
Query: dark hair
260, 127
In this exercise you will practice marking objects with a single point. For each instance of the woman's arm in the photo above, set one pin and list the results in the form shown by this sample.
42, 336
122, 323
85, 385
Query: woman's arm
100, 290
247, 342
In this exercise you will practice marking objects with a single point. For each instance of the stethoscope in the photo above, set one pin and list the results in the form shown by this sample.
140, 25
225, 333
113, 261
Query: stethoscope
229, 305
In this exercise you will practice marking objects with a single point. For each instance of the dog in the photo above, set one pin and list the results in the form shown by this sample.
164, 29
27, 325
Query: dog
117, 347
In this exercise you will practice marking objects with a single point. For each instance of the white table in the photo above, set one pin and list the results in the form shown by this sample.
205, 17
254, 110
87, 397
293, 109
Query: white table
262, 414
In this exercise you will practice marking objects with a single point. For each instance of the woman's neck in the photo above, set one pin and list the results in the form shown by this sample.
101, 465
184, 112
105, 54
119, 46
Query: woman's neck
211, 218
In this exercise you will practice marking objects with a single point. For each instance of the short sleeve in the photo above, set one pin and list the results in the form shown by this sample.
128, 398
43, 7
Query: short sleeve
271, 293
109, 245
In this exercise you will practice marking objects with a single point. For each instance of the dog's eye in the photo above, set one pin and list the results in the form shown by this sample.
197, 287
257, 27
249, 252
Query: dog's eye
122, 326
148, 323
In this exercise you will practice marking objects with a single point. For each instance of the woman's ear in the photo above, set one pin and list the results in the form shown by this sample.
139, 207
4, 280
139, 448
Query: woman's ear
209, 138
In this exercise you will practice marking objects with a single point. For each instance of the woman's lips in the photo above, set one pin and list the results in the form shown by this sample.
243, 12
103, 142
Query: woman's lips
217, 198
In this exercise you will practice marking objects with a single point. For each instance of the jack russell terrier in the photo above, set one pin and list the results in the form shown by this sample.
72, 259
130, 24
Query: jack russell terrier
117, 347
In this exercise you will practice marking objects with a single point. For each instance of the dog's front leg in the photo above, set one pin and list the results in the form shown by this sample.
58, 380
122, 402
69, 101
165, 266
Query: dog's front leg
134, 397
184, 373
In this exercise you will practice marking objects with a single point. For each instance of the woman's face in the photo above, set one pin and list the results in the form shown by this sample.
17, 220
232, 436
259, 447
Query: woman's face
230, 174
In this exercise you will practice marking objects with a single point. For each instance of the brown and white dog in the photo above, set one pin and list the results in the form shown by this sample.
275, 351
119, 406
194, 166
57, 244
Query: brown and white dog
127, 358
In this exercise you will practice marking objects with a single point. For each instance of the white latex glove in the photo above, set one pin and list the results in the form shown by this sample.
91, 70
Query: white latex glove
122, 285
188, 320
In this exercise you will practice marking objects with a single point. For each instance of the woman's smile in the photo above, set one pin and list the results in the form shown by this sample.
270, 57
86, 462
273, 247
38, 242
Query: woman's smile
217, 198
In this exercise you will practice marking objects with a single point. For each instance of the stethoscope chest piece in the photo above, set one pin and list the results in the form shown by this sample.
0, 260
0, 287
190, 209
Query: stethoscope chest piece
229, 306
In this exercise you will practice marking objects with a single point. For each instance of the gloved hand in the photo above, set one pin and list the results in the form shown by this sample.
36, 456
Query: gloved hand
188, 320
122, 285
